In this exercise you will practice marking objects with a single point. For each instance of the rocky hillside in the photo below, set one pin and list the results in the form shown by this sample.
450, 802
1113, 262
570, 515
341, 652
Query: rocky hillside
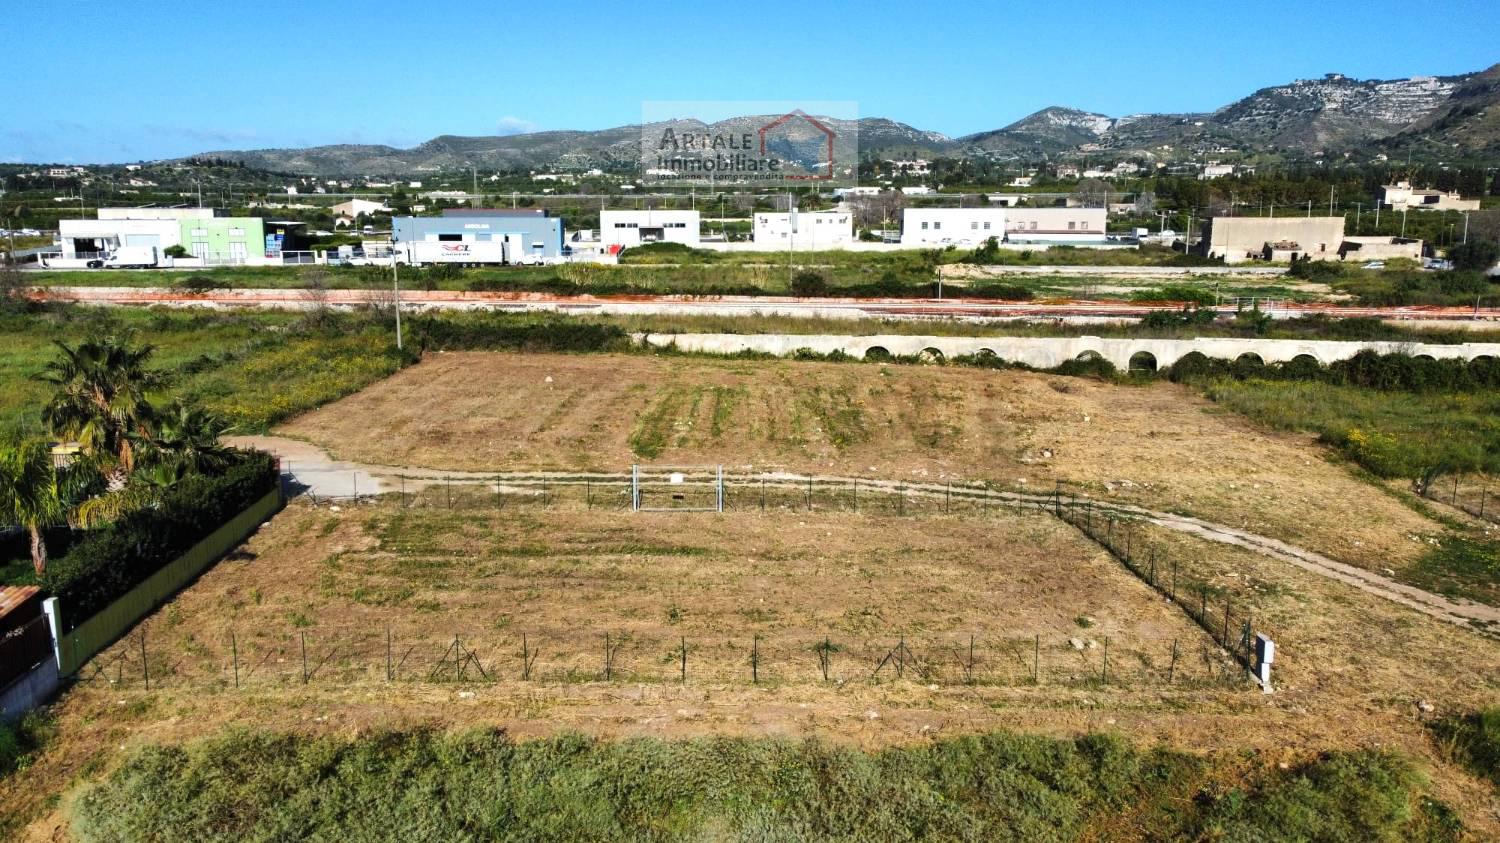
1432, 113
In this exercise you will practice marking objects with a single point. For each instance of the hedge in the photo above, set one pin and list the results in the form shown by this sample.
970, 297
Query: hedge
1368, 369
110, 561
500, 331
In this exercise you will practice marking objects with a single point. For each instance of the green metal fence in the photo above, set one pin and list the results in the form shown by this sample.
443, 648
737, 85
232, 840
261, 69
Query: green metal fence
101, 630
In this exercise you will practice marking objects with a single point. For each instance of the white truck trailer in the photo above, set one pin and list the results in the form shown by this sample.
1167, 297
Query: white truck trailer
510, 249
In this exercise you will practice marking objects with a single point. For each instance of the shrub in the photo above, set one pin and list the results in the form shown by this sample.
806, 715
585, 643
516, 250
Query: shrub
176, 250
1475, 255
808, 283
1316, 270
1189, 293
1474, 739
112, 560
501, 331
199, 284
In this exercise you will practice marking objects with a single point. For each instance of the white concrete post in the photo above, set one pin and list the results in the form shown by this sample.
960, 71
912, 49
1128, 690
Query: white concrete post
53, 611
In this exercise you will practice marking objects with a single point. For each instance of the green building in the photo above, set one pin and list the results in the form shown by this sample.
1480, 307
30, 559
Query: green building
233, 240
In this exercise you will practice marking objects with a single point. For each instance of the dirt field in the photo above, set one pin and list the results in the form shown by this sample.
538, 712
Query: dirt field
1353, 670
1157, 445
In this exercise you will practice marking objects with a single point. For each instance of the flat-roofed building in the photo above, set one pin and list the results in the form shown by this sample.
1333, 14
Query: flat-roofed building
1240, 239
967, 227
804, 230
1055, 225
624, 229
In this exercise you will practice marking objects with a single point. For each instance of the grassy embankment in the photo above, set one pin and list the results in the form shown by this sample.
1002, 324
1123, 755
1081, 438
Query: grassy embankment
252, 786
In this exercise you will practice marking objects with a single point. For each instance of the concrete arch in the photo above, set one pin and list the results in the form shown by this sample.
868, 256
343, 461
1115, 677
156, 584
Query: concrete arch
1305, 358
1143, 361
1086, 356
1482, 360
931, 354
1250, 358
877, 352
1427, 357
986, 354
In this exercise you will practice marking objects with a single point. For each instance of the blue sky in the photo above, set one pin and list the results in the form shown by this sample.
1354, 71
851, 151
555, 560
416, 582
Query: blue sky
122, 81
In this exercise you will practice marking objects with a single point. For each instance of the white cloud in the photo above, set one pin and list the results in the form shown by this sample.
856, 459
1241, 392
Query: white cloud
509, 125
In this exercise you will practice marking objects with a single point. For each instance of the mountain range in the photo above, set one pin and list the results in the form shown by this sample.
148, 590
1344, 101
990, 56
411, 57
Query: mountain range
1432, 116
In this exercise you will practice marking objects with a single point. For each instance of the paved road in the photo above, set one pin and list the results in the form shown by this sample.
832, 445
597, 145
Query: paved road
833, 308
313, 470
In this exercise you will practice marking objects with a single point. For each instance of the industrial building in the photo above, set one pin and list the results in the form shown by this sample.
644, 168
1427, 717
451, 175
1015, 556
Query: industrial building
142, 236
1380, 248
479, 235
624, 229
966, 227
1055, 225
804, 230
1240, 239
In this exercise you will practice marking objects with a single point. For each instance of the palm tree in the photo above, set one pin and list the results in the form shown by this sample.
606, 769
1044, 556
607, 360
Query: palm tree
30, 496
101, 399
187, 440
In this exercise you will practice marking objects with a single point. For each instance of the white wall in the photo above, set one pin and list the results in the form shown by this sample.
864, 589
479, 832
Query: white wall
154, 213
624, 228
120, 233
966, 227
815, 230
1056, 225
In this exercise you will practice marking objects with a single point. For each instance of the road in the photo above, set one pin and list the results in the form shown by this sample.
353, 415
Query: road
1078, 310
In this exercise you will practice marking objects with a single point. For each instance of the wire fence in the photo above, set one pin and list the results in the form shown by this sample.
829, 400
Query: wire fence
1472, 495
266, 659
744, 492
407, 654
1210, 606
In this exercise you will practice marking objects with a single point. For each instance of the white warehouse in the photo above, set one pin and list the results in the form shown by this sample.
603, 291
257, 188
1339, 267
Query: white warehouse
624, 229
804, 230
1055, 225
967, 227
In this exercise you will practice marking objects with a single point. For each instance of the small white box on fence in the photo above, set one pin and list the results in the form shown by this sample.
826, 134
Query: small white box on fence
676, 478
1265, 648
1265, 654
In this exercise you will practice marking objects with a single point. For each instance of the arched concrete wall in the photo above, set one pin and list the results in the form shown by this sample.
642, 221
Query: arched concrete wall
1047, 352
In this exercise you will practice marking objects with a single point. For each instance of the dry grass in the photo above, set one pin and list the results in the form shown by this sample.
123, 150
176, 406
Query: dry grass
1156, 445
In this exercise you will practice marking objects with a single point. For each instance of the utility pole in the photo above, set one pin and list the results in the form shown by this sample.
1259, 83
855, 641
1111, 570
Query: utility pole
1403, 222
396, 288
1330, 200
791, 236
1466, 226
1358, 207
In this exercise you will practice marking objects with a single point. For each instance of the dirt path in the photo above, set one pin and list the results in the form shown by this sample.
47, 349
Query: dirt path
315, 472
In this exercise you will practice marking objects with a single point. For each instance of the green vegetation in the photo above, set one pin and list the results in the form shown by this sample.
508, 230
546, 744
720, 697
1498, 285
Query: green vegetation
1399, 288
251, 369
112, 559
1473, 740
1459, 566
1392, 433
21, 742
482, 785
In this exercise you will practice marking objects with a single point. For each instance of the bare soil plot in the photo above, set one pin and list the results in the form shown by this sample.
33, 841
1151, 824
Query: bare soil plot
751, 595
1156, 445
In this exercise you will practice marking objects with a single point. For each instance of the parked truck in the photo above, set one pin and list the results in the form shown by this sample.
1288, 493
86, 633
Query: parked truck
127, 257
508, 249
